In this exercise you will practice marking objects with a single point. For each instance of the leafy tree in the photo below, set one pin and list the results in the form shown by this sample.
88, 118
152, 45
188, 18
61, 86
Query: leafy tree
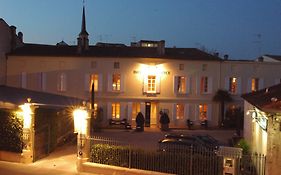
140, 120
222, 97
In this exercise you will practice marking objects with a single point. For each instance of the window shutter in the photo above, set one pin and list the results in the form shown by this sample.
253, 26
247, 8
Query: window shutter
210, 85
239, 85
100, 83
123, 110
249, 85
130, 108
109, 82
261, 83
23, 80
145, 81
63, 76
158, 84
188, 84
226, 83
142, 108
196, 109
186, 111
174, 112
176, 84
209, 112
109, 110
277, 81
122, 83
87, 80
197, 85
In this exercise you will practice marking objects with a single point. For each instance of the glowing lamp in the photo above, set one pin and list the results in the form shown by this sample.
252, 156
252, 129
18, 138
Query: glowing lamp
26, 113
80, 120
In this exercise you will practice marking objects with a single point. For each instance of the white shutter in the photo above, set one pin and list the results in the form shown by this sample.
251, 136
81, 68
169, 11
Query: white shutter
123, 110
176, 84
158, 84
261, 83
239, 86
87, 80
226, 83
197, 85
145, 83
174, 112
188, 84
209, 112
186, 111
109, 82
249, 85
63, 76
100, 82
210, 85
130, 108
142, 108
196, 112
122, 83
23, 80
109, 110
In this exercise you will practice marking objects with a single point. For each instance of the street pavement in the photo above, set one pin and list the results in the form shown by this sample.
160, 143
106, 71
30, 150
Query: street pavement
63, 160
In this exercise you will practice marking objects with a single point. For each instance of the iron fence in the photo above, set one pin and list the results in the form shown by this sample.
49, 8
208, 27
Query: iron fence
174, 159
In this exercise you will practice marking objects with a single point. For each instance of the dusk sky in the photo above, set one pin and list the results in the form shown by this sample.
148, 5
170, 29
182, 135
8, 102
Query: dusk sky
244, 29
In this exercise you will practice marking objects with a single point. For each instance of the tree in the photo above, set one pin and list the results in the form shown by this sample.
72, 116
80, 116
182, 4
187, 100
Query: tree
140, 121
222, 97
164, 120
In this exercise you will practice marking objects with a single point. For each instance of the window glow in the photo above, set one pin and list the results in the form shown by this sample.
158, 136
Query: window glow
203, 108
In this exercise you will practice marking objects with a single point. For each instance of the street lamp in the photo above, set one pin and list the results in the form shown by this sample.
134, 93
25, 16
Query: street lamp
81, 117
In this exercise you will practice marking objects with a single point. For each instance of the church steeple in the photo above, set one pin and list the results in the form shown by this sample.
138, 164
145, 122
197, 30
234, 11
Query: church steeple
83, 40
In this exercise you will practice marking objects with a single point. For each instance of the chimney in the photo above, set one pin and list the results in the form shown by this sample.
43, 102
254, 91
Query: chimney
20, 37
13, 37
225, 57
161, 47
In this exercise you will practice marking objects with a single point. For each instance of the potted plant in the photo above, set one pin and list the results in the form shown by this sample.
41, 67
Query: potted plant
164, 121
140, 122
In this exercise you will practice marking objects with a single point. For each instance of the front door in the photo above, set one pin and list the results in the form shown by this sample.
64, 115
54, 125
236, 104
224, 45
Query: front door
147, 114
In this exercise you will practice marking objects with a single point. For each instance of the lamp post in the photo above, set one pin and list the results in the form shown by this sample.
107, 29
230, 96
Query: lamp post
26, 111
81, 127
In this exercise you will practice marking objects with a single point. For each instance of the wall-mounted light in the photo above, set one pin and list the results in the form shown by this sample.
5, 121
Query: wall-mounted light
26, 112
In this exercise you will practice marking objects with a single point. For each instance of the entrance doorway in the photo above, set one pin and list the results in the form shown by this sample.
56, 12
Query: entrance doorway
150, 114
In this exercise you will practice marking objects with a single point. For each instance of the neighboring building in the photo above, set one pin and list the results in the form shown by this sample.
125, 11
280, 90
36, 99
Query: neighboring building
269, 58
262, 125
9, 40
145, 77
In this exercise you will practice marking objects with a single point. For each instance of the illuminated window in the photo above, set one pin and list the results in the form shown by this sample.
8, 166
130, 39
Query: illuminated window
254, 84
181, 84
116, 82
151, 84
94, 78
180, 111
204, 85
135, 110
95, 109
115, 110
203, 112
61, 84
232, 85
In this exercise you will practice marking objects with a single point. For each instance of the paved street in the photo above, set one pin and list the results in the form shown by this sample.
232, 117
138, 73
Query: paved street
63, 160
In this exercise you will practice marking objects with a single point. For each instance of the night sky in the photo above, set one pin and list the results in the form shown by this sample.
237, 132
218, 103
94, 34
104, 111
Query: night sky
244, 29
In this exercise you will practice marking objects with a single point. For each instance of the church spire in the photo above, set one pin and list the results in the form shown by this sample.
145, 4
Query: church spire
83, 41
83, 27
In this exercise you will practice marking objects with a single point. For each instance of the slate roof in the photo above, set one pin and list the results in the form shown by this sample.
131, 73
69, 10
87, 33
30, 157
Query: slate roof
113, 51
268, 99
19, 96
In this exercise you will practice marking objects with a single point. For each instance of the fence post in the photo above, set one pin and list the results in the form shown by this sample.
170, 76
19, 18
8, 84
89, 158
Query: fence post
130, 156
190, 161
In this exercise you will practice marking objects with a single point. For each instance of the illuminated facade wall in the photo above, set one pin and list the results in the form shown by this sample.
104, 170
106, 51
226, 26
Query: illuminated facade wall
187, 84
